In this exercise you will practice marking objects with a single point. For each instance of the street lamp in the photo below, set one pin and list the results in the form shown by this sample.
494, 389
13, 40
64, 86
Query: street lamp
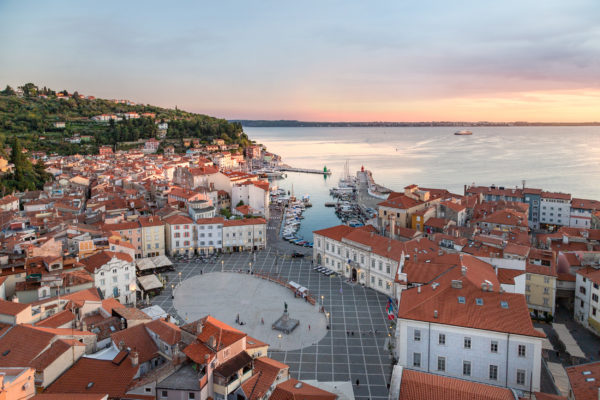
172, 291
327, 315
279, 337
132, 289
180, 277
222, 265
322, 299
250, 266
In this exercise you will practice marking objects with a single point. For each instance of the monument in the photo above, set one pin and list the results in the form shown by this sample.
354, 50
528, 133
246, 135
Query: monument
285, 324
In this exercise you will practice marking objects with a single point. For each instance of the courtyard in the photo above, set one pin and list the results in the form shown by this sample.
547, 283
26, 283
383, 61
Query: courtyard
355, 348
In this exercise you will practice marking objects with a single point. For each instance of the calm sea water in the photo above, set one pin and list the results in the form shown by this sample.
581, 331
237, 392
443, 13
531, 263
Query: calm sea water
565, 159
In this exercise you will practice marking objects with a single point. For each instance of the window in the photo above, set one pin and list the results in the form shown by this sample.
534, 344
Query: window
546, 301
380, 265
442, 339
504, 304
164, 393
595, 297
596, 286
493, 372
467, 368
115, 279
546, 290
441, 366
527, 288
191, 395
479, 301
102, 282
417, 360
373, 280
417, 335
387, 268
520, 377
461, 299
528, 277
494, 346
467, 343
380, 283
521, 350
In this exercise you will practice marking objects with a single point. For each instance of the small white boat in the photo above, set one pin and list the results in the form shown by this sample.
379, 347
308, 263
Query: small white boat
463, 133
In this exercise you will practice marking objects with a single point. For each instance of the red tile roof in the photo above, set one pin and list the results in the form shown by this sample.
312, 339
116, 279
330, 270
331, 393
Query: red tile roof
580, 386
416, 385
12, 308
57, 320
490, 315
96, 261
293, 389
401, 202
89, 375
137, 339
245, 221
168, 332
265, 374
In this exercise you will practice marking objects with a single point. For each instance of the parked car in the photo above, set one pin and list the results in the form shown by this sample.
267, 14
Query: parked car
297, 255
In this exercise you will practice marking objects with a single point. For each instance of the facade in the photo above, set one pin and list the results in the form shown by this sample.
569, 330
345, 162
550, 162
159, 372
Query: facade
460, 326
359, 255
244, 234
587, 298
153, 236
540, 283
114, 275
254, 194
131, 232
209, 234
179, 235
555, 210
582, 211
533, 197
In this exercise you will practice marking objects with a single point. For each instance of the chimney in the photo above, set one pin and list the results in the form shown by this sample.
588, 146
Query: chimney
199, 327
212, 342
121, 345
83, 326
435, 313
415, 258
135, 358
419, 289
457, 284
122, 323
483, 286
392, 227
463, 270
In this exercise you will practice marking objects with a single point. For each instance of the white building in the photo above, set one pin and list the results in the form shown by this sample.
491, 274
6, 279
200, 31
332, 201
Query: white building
359, 255
581, 212
114, 274
587, 298
555, 209
244, 234
464, 327
252, 193
209, 235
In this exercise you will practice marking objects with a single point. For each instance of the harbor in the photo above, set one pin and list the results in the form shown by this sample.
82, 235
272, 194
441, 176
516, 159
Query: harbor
324, 171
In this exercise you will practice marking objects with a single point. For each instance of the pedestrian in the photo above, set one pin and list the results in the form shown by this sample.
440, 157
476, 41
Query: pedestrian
352, 333
357, 383
262, 321
347, 333
309, 327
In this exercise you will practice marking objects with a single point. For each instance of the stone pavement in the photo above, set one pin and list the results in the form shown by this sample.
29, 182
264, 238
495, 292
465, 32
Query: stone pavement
354, 348
254, 299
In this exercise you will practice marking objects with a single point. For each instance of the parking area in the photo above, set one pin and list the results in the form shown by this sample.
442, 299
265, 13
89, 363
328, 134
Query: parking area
356, 346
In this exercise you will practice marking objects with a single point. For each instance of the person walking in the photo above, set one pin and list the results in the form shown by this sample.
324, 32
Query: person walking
309, 327
357, 383
262, 320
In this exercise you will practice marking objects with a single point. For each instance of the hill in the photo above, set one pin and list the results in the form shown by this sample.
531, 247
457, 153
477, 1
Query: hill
35, 115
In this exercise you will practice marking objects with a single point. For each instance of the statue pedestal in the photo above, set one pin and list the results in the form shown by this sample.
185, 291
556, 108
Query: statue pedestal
285, 324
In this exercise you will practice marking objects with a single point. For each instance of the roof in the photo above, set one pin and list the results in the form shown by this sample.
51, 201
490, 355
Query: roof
96, 261
245, 221
149, 282
12, 308
590, 273
178, 219
231, 366
89, 375
402, 202
480, 309
57, 349
168, 332
416, 385
507, 276
293, 389
57, 320
265, 374
70, 396
138, 339
12, 351
580, 380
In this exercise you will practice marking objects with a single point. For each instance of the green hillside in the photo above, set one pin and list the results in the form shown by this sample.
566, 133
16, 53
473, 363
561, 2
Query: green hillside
30, 112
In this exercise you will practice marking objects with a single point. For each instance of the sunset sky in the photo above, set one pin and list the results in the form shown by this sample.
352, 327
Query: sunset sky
317, 60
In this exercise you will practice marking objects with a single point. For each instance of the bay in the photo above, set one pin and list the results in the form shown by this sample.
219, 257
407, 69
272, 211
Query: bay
563, 159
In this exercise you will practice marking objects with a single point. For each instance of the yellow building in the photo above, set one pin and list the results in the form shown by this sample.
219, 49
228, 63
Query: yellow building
153, 236
540, 281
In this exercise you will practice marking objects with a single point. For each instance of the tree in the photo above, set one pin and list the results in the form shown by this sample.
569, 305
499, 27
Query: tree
29, 90
240, 203
8, 91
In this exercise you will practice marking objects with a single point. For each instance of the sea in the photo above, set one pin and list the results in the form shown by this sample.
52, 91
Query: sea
561, 159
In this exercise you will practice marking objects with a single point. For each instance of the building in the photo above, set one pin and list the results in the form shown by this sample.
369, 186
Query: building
244, 234
587, 298
153, 236
105, 150
359, 255
179, 233
254, 194
209, 234
114, 275
555, 210
130, 232
582, 211
408, 384
151, 145
9, 203
533, 197
16, 383
584, 381
462, 326
540, 283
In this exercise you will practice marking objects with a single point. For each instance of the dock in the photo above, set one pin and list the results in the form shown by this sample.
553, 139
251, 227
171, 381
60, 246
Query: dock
306, 170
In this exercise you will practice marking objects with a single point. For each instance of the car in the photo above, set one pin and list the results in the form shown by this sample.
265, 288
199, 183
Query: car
297, 255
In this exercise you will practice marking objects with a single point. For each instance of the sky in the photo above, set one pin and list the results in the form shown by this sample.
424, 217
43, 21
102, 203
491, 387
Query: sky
522, 60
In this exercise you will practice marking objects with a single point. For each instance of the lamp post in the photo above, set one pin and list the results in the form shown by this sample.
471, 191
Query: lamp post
279, 336
222, 265
179, 277
328, 323
250, 266
172, 291
322, 300
132, 289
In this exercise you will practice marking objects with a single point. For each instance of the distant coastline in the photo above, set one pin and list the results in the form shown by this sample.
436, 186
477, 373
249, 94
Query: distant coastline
309, 124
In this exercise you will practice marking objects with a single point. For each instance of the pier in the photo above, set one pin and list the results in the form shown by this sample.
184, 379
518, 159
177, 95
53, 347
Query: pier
325, 171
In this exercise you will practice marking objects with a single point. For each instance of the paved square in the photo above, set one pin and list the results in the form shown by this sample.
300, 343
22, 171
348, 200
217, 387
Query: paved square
354, 348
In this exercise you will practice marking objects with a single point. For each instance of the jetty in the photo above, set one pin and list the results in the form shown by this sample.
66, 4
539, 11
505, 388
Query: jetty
324, 171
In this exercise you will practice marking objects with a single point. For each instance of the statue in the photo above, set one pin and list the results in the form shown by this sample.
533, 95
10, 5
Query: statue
285, 307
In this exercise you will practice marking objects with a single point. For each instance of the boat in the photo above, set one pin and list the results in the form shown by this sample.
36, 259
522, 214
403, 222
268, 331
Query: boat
463, 132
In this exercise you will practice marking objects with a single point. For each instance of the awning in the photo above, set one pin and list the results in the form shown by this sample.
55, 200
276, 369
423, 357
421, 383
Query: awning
161, 261
546, 345
149, 282
145, 264
294, 285
569, 341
